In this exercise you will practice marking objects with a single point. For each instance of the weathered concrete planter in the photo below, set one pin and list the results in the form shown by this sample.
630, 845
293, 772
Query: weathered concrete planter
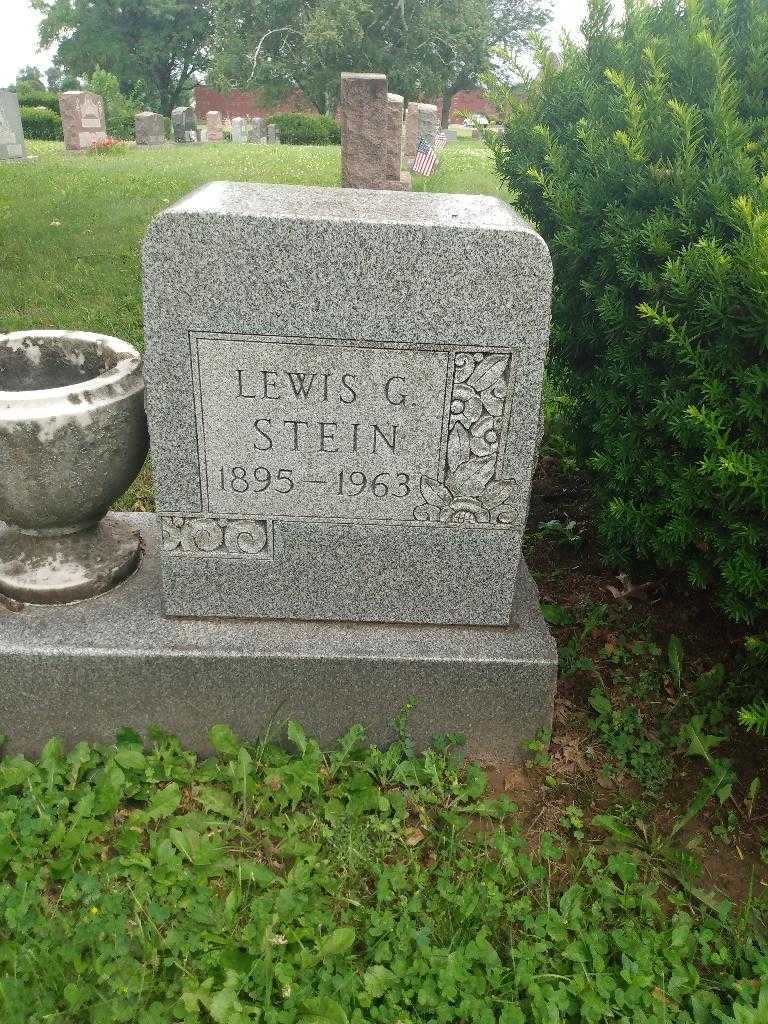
73, 437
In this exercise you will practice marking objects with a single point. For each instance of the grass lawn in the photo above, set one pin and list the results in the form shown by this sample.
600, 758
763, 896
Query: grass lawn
620, 875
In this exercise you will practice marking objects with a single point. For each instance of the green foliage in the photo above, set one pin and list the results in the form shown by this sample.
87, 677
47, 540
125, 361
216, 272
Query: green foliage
641, 158
50, 100
151, 886
41, 123
307, 129
120, 111
428, 48
155, 44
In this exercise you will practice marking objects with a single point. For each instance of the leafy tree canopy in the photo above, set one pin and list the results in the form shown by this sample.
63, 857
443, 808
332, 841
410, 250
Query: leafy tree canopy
30, 79
426, 47
160, 43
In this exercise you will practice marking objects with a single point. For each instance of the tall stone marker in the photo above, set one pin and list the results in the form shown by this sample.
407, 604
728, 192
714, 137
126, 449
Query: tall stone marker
150, 129
11, 130
240, 128
82, 119
411, 141
364, 122
184, 123
429, 123
397, 179
335, 449
256, 130
214, 126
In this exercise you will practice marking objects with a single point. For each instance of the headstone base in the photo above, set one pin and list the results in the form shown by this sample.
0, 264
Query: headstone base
403, 185
82, 671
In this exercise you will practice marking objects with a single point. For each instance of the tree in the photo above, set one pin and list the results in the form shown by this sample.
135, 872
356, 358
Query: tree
59, 81
426, 47
30, 79
159, 43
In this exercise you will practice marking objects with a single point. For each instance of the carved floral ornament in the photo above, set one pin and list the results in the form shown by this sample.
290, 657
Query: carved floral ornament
470, 491
191, 536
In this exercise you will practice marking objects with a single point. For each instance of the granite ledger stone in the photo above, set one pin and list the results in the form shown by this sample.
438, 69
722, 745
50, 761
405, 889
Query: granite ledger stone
330, 440
150, 129
364, 122
83, 671
11, 130
82, 119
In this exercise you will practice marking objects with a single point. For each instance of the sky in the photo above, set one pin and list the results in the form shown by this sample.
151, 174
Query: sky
18, 39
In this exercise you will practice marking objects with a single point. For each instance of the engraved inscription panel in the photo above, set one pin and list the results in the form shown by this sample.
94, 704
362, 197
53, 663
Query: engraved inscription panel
325, 430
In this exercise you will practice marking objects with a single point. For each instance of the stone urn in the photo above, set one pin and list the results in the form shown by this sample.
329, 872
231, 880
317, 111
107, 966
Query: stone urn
73, 437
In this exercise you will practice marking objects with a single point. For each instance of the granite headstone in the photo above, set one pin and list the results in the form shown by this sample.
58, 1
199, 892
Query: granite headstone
240, 128
328, 441
364, 123
11, 130
397, 179
184, 124
214, 126
150, 129
82, 119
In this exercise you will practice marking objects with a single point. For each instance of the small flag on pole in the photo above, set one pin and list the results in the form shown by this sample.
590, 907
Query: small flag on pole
426, 160
441, 142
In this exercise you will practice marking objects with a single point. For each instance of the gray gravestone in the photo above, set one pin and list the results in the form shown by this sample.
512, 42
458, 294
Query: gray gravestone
256, 129
429, 123
240, 129
150, 129
273, 133
184, 124
11, 131
345, 447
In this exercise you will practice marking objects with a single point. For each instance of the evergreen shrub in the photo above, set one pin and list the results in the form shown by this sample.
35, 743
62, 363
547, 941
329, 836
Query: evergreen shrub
41, 123
50, 100
641, 156
307, 129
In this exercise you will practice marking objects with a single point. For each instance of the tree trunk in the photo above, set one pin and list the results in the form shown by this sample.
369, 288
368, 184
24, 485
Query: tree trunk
449, 91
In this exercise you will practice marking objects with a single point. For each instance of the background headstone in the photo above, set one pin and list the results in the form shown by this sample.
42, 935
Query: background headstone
82, 119
214, 126
397, 179
363, 130
256, 129
429, 123
11, 131
273, 133
411, 141
150, 129
239, 129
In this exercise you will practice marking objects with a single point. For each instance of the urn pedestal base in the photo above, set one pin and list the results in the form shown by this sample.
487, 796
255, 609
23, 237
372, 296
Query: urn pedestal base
61, 569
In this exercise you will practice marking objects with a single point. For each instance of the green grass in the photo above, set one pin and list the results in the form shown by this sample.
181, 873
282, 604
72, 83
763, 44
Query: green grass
153, 887
71, 224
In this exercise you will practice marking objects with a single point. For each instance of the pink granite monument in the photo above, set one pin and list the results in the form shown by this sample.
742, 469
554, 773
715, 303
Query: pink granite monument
82, 119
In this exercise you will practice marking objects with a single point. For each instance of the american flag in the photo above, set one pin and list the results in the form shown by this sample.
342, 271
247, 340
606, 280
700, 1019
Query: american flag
426, 159
441, 142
